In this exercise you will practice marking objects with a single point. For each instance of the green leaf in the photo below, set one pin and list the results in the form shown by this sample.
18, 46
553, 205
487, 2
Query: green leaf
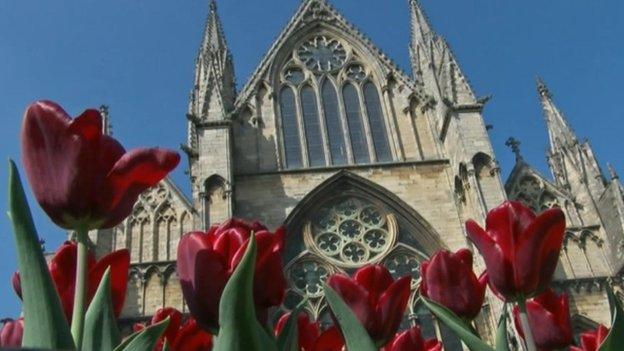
239, 327
457, 325
288, 340
100, 331
502, 344
144, 340
356, 337
45, 325
615, 339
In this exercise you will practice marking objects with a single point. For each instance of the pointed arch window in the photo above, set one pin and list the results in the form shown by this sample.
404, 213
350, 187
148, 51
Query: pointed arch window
331, 108
335, 133
314, 139
377, 125
356, 127
292, 146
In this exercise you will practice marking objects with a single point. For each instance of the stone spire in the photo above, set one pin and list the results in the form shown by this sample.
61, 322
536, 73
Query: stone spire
213, 93
559, 130
107, 128
572, 162
434, 64
612, 172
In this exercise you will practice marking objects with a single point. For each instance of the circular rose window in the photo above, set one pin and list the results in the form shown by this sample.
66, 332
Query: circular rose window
322, 54
351, 232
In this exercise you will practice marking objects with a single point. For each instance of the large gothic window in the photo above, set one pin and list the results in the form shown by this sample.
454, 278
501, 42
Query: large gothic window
331, 109
292, 147
311, 120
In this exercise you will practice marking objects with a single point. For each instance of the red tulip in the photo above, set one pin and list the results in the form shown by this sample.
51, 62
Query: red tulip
11, 333
376, 300
330, 340
520, 249
307, 331
207, 260
80, 177
62, 268
448, 279
549, 319
591, 341
412, 340
179, 337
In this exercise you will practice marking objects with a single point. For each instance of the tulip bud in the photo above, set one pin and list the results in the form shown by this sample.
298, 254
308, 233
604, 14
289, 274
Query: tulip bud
520, 249
11, 333
448, 279
207, 260
81, 176
549, 319
375, 298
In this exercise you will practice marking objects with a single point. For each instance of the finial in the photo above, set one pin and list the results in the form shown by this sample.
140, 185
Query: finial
213, 5
107, 129
612, 172
514, 145
542, 89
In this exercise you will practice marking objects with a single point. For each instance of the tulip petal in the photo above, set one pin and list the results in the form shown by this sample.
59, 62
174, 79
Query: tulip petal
132, 174
375, 279
203, 293
192, 338
391, 306
119, 263
355, 296
539, 247
330, 340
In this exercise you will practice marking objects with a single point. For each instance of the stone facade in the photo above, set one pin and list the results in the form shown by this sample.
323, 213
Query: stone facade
362, 163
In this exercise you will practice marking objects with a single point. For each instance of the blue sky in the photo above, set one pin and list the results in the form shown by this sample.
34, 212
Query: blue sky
137, 57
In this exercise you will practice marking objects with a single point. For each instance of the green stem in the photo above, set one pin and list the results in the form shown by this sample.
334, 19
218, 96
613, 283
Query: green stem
80, 295
529, 342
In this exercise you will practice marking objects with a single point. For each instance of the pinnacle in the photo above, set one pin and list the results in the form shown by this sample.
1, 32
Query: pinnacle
542, 89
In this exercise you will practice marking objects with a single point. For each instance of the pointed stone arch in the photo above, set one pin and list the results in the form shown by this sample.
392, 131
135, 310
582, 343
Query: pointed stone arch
216, 203
414, 230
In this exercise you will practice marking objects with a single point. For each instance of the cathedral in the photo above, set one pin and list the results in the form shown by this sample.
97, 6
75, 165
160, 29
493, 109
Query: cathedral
362, 163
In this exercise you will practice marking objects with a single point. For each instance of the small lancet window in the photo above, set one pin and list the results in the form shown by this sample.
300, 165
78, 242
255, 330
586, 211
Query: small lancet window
292, 145
356, 127
311, 120
333, 123
377, 125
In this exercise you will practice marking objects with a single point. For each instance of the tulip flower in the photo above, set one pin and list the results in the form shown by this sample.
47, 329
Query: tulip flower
82, 178
448, 279
591, 341
375, 298
308, 332
412, 340
11, 333
520, 249
207, 260
330, 340
549, 319
179, 336
62, 268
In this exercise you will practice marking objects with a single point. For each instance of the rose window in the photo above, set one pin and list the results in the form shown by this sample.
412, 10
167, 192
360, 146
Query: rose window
322, 54
351, 232
308, 277
401, 265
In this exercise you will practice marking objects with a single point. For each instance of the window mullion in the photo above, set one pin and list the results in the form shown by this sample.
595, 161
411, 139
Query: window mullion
366, 123
345, 125
301, 128
323, 125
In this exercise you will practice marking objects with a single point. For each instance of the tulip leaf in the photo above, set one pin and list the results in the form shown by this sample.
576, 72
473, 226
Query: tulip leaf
502, 343
45, 325
615, 339
457, 325
145, 339
356, 337
239, 329
288, 340
100, 331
